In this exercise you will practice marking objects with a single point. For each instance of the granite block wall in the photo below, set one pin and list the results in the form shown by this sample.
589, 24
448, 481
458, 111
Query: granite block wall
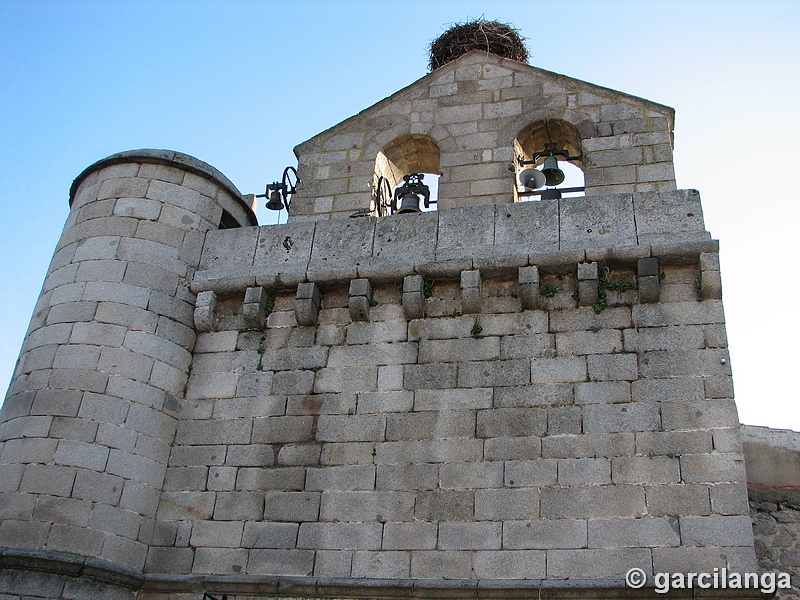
479, 440
508, 444
90, 416
495, 399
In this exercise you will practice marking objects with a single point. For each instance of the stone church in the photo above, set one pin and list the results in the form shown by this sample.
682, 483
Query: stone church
517, 394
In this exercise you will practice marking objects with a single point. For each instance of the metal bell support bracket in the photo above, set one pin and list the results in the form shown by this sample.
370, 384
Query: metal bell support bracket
409, 193
280, 193
552, 175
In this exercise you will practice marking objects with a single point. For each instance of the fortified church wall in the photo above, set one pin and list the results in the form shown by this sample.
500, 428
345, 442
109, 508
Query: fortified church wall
500, 397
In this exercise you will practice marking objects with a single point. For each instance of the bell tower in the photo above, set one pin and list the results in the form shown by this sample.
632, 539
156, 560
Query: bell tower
516, 394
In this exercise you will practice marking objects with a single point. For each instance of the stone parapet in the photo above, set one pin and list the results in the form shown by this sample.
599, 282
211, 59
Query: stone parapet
551, 234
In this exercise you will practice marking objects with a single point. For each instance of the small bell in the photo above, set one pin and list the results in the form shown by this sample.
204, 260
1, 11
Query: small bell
275, 202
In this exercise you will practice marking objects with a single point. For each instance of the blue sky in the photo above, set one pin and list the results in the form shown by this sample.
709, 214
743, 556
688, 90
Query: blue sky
239, 83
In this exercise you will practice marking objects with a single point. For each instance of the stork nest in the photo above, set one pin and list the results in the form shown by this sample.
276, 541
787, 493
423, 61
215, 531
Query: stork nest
489, 36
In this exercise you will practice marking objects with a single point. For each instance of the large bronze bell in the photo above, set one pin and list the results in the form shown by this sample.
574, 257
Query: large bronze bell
408, 195
552, 173
409, 203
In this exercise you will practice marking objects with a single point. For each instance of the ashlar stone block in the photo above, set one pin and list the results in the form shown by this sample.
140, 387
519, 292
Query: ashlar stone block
413, 297
410, 536
509, 564
486, 535
735, 530
529, 292
366, 506
676, 214
648, 280
597, 221
411, 476
448, 564
506, 504
360, 299
469, 231
545, 534
526, 227
471, 292
359, 308
647, 532
254, 307
382, 564
307, 303
409, 238
340, 536
531, 473
205, 312
588, 284
710, 279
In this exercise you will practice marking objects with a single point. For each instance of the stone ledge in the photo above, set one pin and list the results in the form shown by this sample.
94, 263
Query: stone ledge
63, 563
466, 589
60, 563
230, 281
495, 238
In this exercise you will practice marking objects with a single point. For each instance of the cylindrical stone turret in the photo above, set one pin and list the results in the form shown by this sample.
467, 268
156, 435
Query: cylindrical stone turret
87, 426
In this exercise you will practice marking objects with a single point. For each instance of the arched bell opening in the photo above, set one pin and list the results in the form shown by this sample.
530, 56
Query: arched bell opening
548, 161
406, 176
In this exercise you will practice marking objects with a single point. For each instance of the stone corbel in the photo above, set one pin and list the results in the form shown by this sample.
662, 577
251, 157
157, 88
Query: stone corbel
471, 292
360, 299
529, 292
710, 279
414, 296
205, 312
254, 307
306, 304
588, 284
648, 278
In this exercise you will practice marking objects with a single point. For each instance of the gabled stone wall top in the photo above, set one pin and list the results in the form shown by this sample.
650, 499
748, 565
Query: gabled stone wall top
473, 109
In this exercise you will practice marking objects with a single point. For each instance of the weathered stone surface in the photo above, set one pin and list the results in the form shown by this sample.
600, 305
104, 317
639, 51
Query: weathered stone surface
532, 225
306, 309
529, 290
346, 435
598, 223
679, 218
360, 287
471, 292
205, 317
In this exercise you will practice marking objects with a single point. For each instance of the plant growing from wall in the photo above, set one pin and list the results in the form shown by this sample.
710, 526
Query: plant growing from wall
548, 290
604, 283
427, 288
